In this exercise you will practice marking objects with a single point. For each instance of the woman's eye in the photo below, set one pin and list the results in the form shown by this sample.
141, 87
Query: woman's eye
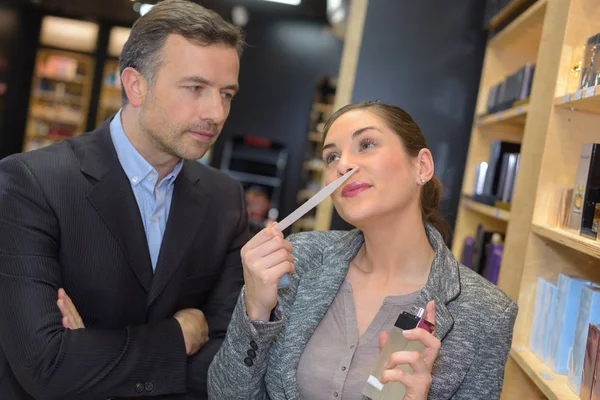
331, 158
367, 144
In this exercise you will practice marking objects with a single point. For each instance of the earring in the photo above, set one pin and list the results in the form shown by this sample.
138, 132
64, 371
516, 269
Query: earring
422, 180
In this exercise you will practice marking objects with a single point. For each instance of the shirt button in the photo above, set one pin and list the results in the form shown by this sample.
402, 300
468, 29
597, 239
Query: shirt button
251, 353
135, 179
151, 177
335, 394
253, 345
248, 361
343, 368
352, 347
139, 387
149, 386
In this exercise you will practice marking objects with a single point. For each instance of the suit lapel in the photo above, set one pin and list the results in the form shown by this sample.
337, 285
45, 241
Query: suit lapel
315, 294
443, 284
113, 199
188, 207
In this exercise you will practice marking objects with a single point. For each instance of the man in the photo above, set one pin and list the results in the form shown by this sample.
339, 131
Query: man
139, 242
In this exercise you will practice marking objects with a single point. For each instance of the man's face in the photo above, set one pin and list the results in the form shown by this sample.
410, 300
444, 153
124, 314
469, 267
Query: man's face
186, 106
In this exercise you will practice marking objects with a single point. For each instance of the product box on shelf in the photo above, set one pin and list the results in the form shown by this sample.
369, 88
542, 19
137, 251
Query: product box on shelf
581, 181
590, 71
589, 313
590, 363
592, 195
563, 331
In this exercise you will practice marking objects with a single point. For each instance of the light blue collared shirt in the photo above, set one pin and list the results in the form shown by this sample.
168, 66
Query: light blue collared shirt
154, 201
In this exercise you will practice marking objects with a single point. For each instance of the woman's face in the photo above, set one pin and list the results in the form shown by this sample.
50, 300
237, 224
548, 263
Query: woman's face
388, 180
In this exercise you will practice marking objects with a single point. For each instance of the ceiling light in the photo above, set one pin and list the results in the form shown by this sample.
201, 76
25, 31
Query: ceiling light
145, 8
290, 2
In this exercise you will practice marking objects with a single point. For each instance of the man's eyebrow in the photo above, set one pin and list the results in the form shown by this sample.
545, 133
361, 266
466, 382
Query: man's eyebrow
203, 81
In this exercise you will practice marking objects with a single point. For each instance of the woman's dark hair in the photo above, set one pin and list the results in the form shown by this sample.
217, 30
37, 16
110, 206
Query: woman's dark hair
413, 140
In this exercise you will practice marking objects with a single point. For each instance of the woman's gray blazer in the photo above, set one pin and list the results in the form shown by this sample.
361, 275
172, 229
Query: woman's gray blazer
474, 321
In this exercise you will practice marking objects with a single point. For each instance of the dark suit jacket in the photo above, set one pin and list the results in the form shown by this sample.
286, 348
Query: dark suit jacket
68, 218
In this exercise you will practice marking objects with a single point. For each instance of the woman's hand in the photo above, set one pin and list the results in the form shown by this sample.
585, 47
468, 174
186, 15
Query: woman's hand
419, 382
266, 258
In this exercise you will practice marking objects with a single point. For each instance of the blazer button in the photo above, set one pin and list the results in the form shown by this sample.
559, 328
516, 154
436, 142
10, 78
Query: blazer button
248, 361
251, 354
253, 345
149, 386
139, 387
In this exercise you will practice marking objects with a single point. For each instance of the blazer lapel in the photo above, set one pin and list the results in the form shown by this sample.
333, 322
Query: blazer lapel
443, 284
315, 294
113, 199
188, 207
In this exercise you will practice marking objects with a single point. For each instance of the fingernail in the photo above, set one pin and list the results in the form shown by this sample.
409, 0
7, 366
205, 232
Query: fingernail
386, 365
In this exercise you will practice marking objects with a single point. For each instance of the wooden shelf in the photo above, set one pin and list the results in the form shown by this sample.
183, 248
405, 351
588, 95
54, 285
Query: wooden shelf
305, 223
515, 116
582, 100
553, 385
528, 24
324, 108
55, 120
53, 138
506, 12
315, 137
314, 165
568, 239
484, 209
77, 80
305, 194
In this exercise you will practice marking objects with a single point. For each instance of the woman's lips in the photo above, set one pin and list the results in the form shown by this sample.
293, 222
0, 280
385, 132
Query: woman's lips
354, 188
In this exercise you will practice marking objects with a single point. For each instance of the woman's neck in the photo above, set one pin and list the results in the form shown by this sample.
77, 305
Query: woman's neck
396, 251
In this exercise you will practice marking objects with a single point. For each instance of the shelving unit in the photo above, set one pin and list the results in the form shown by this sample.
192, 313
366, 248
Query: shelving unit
552, 385
62, 82
313, 165
60, 97
505, 13
259, 165
587, 100
110, 94
551, 128
568, 239
516, 115
484, 209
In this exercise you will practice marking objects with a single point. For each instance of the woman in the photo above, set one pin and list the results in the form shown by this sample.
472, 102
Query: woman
319, 337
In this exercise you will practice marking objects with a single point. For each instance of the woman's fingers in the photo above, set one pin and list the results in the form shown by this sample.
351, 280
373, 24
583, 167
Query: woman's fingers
432, 344
411, 358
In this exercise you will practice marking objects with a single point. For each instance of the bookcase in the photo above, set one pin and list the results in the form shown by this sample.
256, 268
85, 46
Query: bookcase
60, 97
62, 81
110, 93
313, 166
550, 126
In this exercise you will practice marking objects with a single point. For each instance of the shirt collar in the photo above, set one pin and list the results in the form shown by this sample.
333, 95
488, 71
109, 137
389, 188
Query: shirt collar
135, 166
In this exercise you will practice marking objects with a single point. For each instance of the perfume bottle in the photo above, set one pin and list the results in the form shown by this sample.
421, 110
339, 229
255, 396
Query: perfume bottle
596, 223
374, 389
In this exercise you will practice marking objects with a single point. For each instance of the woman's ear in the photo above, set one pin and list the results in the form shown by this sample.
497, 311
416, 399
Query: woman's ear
425, 166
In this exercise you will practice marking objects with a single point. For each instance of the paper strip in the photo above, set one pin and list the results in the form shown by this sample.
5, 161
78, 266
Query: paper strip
306, 207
